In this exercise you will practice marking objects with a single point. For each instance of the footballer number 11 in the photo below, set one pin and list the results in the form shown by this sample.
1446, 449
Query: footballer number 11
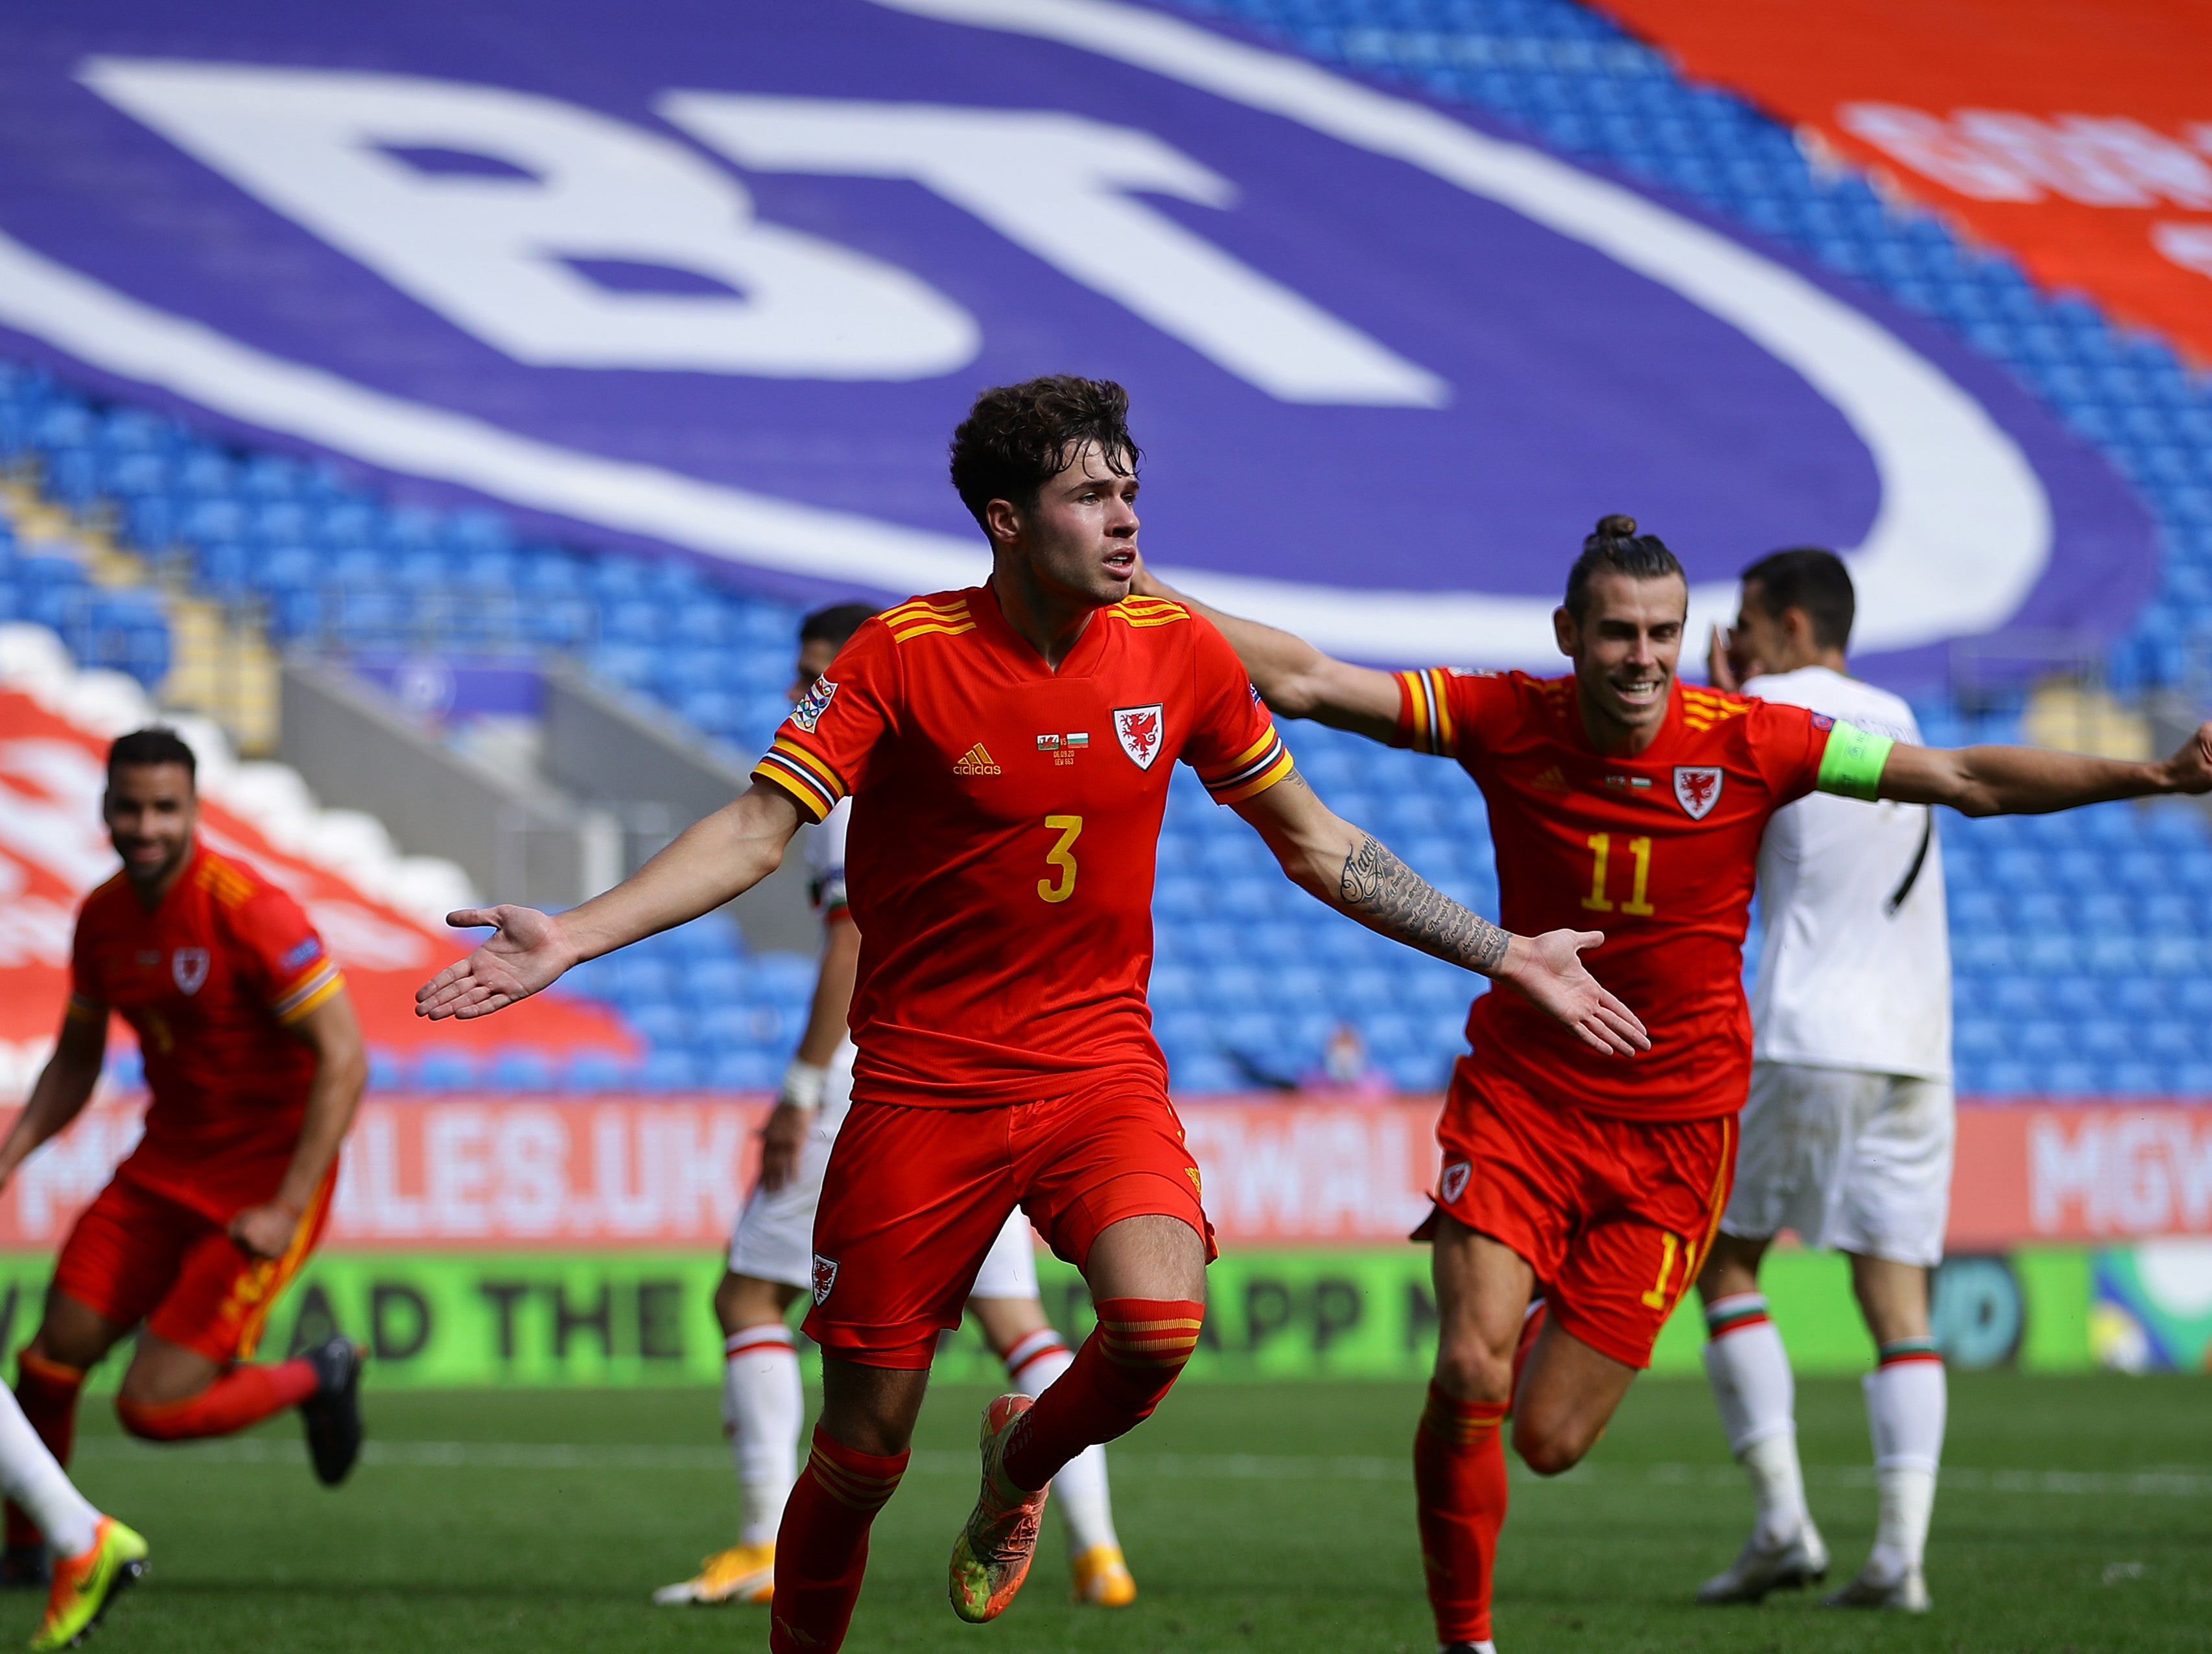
1639, 850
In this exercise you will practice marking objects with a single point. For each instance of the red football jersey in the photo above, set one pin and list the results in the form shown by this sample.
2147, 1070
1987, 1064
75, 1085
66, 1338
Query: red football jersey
1659, 850
1006, 827
210, 980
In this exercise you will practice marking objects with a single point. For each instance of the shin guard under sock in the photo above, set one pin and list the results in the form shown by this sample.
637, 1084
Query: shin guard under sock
764, 1406
1129, 1361
1458, 1482
244, 1396
1080, 1491
47, 1392
822, 1548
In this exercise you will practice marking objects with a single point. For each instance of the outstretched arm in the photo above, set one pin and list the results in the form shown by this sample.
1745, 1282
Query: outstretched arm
64, 1086
715, 860
2028, 781
332, 1031
1295, 678
1345, 867
784, 1133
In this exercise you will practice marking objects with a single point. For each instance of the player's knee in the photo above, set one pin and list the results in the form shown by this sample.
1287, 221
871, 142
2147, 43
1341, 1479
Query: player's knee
1147, 1343
1548, 1447
1469, 1371
741, 1301
151, 1420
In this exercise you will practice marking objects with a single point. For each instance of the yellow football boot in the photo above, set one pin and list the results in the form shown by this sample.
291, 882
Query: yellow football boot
1103, 1578
85, 1585
743, 1573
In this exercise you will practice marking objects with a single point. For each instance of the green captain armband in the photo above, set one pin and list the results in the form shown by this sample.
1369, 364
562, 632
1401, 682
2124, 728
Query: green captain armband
1851, 767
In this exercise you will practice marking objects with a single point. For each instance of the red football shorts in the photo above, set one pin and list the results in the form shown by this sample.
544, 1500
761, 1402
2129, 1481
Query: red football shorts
913, 1197
138, 1256
1614, 1215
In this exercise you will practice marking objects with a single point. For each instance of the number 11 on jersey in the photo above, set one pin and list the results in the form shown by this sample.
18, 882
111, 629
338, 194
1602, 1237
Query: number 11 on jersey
1061, 859
1639, 850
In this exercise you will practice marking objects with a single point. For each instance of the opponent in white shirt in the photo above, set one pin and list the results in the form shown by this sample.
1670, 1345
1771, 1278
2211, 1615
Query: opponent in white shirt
772, 1252
1847, 1137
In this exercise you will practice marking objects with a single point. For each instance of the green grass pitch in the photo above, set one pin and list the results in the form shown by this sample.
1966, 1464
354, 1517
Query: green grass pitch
2077, 1516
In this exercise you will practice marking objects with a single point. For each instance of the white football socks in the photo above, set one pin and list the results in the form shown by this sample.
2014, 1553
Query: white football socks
1907, 1399
30, 1476
1079, 1489
1757, 1395
762, 1409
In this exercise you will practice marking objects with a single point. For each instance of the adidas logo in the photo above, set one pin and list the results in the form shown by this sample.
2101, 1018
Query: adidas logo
975, 761
1550, 781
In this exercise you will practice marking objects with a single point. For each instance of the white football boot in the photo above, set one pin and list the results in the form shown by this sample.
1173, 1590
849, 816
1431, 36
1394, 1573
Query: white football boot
1907, 1593
1799, 1560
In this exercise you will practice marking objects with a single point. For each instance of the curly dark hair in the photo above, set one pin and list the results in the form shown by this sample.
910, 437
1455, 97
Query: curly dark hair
1618, 548
1018, 438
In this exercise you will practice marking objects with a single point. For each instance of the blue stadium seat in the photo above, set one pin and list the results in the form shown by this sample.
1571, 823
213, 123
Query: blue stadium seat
1202, 1073
742, 1070
520, 1068
444, 1068
589, 1070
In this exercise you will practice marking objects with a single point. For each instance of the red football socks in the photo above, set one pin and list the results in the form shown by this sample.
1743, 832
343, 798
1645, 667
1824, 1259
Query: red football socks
1125, 1366
1459, 1478
822, 1548
241, 1397
47, 1391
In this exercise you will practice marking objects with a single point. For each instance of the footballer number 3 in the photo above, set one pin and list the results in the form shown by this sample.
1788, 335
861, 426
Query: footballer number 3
1060, 859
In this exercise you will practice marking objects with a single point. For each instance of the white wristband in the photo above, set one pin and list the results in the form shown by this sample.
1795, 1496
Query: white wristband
804, 1084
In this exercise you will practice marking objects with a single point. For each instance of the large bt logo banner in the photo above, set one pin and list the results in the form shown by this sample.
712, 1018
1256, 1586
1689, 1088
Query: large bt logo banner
720, 281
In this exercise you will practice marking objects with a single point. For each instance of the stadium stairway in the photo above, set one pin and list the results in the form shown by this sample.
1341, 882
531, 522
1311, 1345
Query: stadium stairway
2082, 966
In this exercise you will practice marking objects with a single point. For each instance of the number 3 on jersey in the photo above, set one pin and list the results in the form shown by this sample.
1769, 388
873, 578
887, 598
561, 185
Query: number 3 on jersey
1061, 859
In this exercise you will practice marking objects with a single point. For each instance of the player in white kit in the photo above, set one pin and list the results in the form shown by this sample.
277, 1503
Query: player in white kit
1846, 1138
772, 1253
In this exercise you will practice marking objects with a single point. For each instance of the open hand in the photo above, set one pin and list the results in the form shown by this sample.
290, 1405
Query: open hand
527, 952
1548, 972
1729, 665
2189, 770
781, 1137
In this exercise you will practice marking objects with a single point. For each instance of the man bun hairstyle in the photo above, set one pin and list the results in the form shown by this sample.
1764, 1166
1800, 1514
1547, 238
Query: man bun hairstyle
1814, 580
1617, 549
1018, 438
835, 624
157, 744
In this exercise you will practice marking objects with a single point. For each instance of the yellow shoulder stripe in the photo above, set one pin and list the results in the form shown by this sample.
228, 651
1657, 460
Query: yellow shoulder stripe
921, 617
1148, 611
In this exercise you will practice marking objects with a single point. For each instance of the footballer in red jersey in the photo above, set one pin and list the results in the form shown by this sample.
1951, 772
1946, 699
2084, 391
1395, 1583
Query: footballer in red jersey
255, 1065
1621, 798
1008, 749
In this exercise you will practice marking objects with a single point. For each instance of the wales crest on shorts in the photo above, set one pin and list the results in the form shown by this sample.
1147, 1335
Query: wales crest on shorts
825, 1277
1137, 729
1696, 789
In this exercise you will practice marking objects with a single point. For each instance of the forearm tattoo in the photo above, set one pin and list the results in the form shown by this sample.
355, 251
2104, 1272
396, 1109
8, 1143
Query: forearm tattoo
1385, 894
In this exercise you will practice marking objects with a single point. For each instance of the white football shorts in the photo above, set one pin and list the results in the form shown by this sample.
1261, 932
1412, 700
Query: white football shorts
774, 1239
1853, 1162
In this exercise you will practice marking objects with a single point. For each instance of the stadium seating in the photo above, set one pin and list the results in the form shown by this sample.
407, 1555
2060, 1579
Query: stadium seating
2082, 962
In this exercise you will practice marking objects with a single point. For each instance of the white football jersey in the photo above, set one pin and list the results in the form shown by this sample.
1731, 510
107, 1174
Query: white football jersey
825, 859
1856, 968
